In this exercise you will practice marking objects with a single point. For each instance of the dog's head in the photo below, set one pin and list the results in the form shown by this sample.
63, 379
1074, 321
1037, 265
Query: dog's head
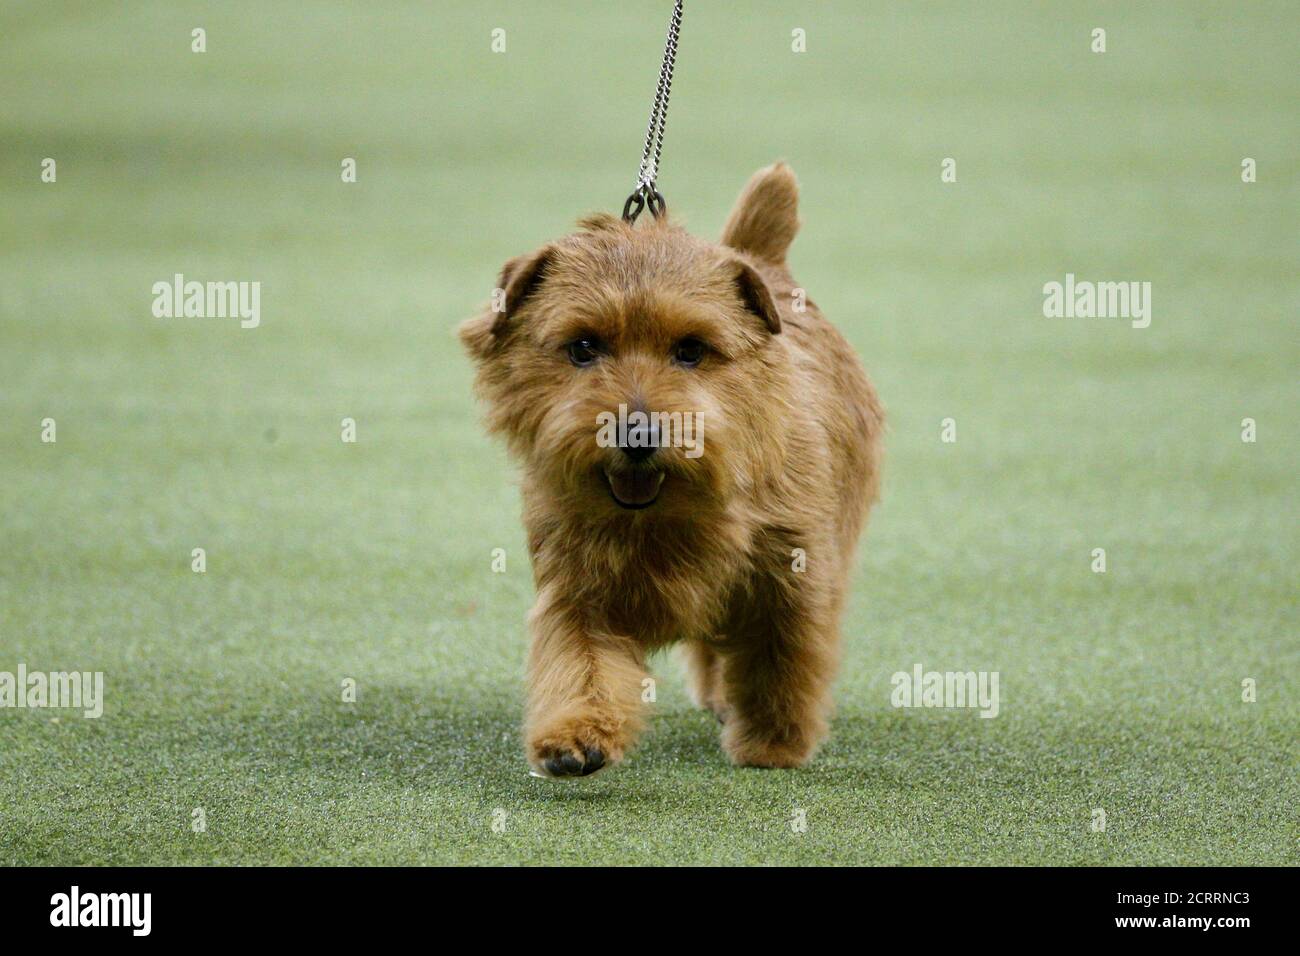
634, 370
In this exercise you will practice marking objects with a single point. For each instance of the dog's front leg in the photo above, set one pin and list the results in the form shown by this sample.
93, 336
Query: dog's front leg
777, 673
584, 693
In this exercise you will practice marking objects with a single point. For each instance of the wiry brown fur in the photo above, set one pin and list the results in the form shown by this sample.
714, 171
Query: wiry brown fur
790, 461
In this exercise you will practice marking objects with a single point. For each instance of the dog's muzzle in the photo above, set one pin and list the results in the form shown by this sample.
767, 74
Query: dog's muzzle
635, 487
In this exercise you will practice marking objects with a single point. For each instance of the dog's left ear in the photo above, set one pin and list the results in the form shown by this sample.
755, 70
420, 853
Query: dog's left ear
756, 295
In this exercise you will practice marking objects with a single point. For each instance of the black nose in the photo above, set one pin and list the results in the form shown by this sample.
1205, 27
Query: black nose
640, 442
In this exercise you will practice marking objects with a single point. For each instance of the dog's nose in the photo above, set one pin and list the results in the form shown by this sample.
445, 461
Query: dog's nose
640, 442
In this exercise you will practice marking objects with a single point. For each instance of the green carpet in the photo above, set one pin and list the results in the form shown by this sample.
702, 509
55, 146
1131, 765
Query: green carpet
371, 561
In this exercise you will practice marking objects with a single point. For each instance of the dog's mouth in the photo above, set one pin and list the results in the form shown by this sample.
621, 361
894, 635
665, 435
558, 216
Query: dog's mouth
636, 488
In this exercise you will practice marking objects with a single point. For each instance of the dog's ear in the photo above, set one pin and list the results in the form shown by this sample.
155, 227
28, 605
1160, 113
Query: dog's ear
519, 278
766, 215
756, 295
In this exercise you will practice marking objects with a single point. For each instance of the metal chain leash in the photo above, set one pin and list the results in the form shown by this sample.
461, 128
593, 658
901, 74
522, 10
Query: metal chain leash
646, 194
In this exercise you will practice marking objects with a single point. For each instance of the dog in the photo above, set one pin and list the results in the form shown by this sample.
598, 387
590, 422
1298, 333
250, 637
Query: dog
741, 552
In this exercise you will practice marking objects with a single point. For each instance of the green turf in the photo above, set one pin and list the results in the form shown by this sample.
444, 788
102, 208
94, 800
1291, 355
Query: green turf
372, 560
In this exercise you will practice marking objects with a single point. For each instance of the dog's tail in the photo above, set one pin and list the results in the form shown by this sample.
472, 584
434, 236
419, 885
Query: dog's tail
766, 216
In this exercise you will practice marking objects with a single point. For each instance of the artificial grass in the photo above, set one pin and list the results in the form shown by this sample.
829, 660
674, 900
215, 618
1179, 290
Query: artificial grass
372, 561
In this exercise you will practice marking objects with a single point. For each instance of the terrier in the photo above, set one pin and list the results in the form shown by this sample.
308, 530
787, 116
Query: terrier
739, 551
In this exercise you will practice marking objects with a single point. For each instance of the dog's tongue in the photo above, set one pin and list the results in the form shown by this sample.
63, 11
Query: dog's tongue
636, 487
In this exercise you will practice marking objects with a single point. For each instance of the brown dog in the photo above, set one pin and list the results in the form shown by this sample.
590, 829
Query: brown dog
737, 539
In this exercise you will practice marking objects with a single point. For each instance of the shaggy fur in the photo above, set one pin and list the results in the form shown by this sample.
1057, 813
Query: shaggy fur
790, 464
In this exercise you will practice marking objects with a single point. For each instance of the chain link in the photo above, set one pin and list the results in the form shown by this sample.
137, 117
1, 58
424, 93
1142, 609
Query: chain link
646, 193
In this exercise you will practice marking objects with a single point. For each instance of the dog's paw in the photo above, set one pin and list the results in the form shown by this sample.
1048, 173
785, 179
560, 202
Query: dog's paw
569, 764
572, 753
750, 749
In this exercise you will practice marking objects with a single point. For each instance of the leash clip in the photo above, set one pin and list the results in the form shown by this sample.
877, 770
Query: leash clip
645, 196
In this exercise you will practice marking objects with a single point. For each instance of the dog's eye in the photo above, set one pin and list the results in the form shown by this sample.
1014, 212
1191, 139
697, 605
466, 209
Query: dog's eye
689, 352
583, 352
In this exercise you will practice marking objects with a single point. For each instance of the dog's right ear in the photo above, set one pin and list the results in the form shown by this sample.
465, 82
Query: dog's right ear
519, 278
